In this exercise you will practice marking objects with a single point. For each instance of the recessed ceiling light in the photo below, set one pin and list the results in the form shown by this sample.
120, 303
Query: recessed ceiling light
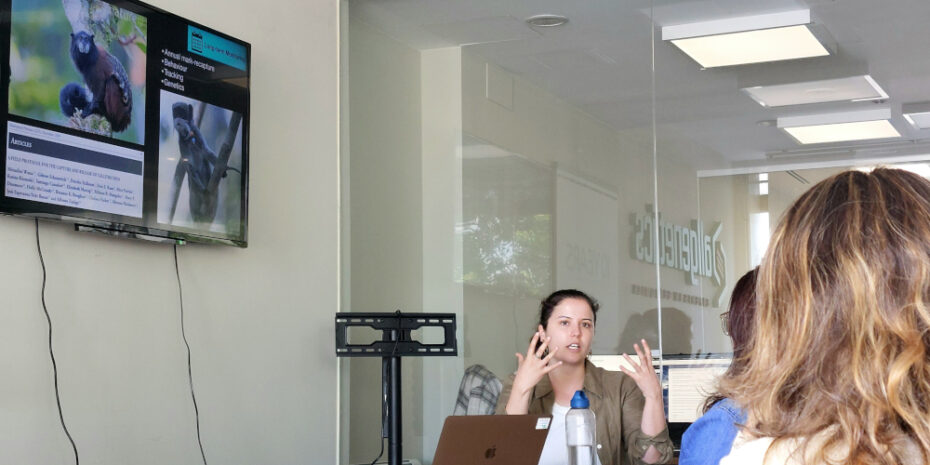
837, 127
747, 39
546, 20
918, 114
852, 88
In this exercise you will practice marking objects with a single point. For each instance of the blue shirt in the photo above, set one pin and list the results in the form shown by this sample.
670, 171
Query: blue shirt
710, 438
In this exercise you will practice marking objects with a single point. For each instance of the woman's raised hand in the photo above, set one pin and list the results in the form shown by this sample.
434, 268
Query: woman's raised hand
642, 372
535, 365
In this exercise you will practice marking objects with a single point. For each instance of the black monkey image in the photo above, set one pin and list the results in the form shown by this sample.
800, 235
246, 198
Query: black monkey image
205, 138
106, 79
184, 111
198, 161
190, 134
74, 97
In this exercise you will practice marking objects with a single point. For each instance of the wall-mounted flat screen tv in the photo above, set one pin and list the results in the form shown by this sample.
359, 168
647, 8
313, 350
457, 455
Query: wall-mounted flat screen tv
124, 118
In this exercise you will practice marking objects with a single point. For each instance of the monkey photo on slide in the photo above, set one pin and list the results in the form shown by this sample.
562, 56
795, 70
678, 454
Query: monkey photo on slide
204, 167
106, 80
198, 161
74, 97
200, 142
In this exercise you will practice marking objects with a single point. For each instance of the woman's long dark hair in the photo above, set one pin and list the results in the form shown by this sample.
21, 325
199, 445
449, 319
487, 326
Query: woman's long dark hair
737, 321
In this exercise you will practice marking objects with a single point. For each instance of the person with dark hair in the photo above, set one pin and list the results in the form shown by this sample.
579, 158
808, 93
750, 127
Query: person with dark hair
710, 437
630, 416
837, 371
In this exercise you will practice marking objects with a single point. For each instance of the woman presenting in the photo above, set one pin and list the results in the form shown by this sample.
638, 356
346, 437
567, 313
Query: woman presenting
630, 425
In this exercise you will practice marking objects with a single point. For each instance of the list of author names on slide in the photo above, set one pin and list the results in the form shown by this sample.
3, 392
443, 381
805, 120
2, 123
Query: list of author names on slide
34, 176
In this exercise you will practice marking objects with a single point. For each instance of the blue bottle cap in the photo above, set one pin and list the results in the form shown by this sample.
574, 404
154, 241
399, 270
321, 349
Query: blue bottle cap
579, 400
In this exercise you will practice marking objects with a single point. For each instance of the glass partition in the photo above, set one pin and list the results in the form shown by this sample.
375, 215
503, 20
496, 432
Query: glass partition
491, 156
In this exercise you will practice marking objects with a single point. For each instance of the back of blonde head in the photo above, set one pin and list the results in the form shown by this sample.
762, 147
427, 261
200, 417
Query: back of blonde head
842, 328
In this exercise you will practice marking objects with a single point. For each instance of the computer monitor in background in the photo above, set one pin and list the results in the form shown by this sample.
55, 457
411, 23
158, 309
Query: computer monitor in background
687, 381
687, 384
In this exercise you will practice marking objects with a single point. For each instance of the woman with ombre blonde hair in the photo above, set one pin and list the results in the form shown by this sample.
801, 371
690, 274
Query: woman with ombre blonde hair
838, 367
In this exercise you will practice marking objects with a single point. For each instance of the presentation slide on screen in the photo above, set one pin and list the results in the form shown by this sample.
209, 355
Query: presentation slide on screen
201, 156
50, 167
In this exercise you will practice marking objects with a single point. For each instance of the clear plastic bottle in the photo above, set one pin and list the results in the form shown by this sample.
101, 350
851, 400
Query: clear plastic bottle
579, 431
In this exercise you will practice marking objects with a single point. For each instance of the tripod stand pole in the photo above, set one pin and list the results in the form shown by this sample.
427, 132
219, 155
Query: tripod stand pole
395, 438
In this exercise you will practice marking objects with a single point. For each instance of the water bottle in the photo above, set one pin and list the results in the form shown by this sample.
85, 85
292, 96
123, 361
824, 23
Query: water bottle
579, 431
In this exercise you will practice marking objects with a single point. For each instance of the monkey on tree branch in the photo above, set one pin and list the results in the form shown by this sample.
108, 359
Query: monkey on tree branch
106, 90
199, 163
105, 78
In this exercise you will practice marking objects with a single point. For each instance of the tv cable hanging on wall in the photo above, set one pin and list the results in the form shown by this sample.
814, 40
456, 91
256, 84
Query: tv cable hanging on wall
51, 351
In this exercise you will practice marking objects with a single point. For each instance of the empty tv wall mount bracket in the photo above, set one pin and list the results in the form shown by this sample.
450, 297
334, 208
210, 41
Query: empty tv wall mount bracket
396, 340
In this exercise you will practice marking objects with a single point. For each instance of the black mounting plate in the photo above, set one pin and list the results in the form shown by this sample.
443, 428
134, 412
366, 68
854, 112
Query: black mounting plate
395, 340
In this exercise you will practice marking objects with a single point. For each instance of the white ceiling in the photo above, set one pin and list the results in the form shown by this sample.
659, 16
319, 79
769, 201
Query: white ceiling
602, 59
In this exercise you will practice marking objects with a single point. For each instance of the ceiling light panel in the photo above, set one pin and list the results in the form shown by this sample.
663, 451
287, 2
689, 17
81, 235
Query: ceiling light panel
840, 127
917, 114
843, 132
748, 39
852, 88
918, 120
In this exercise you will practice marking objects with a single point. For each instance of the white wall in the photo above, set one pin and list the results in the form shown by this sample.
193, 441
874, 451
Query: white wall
727, 199
259, 320
385, 214
538, 126
402, 208
441, 106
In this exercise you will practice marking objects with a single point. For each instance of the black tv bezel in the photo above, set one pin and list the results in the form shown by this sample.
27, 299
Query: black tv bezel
147, 225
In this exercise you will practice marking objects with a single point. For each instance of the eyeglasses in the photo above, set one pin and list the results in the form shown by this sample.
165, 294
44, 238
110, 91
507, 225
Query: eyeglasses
725, 323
